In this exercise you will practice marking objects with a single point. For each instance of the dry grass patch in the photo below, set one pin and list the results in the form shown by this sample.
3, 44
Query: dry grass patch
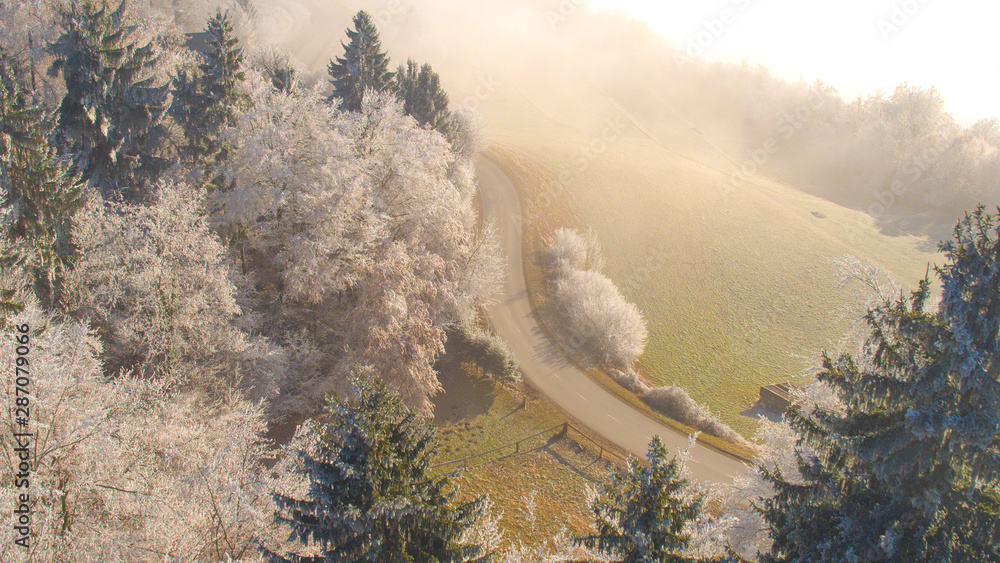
474, 417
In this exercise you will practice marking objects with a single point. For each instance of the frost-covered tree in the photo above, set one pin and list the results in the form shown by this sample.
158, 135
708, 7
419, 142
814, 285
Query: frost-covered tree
110, 120
297, 212
642, 514
25, 29
37, 195
561, 548
599, 321
488, 351
570, 248
358, 231
747, 534
128, 470
364, 66
371, 496
209, 100
277, 67
906, 468
295, 192
416, 281
465, 133
156, 281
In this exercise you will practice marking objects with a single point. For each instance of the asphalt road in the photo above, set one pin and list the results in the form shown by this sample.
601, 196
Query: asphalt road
546, 369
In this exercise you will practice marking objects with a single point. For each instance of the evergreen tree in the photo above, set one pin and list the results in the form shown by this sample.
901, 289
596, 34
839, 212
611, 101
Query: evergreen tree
642, 516
371, 497
908, 469
37, 195
422, 96
13, 73
187, 110
363, 67
110, 119
207, 101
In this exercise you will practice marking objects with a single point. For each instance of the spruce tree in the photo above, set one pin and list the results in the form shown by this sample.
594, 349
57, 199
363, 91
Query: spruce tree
641, 515
371, 495
908, 469
37, 194
363, 67
110, 119
207, 101
423, 98
187, 110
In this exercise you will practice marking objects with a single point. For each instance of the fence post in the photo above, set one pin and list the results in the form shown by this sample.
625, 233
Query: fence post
517, 447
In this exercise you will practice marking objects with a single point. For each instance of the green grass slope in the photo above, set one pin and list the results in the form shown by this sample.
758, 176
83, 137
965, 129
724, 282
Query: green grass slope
735, 279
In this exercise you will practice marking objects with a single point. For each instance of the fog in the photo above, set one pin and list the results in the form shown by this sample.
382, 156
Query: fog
553, 62
548, 71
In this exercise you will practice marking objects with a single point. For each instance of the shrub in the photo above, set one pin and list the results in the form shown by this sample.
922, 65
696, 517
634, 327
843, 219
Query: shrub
489, 352
570, 249
674, 402
598, 318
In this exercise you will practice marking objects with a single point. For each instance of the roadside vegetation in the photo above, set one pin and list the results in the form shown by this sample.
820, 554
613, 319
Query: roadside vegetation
548, 206
598, 324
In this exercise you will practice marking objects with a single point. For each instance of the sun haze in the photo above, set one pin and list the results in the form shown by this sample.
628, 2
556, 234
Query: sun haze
856, 45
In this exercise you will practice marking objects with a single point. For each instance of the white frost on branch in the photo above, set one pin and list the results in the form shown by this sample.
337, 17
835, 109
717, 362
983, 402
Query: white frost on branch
366, 221
158, 285
131, 469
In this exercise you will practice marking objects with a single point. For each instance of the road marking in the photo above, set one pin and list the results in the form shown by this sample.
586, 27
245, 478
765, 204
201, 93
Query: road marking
582, 397
614, 419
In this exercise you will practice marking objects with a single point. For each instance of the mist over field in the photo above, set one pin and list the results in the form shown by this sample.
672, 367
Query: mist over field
720, 193
551, 67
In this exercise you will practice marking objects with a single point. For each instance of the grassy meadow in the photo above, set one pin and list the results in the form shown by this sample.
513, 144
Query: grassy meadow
735, 279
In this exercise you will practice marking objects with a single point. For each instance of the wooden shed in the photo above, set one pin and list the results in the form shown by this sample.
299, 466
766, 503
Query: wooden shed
777, 396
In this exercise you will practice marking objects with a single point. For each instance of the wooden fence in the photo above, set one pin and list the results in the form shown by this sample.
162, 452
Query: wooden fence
515, 447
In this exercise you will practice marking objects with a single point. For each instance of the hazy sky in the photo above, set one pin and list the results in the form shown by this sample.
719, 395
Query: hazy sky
855, 45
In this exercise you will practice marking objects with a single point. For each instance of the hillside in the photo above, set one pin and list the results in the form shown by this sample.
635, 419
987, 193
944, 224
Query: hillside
735, 282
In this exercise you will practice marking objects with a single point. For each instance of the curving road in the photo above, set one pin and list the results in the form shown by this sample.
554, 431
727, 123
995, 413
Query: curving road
549, 372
